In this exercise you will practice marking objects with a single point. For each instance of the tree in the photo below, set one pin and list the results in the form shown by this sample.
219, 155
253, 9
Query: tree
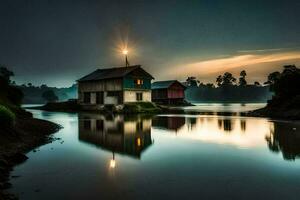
43, 86
219, 80
272, 78
15, 95
5, 73
192, 81
242, 79
286, 84
8, 90
210, 85
228, 79
256, 83
49, 96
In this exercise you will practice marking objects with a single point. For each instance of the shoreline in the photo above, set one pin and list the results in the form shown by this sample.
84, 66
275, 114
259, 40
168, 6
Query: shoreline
265, 112
27, 134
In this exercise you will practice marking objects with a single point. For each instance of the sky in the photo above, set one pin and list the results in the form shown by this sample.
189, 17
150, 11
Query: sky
55, 42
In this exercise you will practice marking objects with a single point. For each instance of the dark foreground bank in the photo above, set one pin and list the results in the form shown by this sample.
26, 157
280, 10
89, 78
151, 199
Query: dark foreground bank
27, 134
281, 108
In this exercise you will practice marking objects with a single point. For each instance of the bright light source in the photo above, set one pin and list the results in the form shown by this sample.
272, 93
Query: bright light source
125, 51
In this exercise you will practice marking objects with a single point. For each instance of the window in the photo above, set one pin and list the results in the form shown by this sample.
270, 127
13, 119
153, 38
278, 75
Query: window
87, 97
99, 125
99, 98
113, 93
139, 82
139, 96
87, 124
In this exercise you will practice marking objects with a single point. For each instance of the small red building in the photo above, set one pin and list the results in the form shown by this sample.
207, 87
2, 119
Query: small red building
168, 92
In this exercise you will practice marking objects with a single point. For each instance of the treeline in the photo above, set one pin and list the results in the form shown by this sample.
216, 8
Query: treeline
227, 89
10, 100
42, 94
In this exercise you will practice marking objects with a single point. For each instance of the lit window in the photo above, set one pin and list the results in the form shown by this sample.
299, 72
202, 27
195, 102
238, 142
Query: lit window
139, 82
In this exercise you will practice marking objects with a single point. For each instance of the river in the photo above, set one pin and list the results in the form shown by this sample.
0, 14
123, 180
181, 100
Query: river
164, 157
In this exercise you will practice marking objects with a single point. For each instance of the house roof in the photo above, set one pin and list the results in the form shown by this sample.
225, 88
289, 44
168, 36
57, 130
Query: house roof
164, 84
108, 73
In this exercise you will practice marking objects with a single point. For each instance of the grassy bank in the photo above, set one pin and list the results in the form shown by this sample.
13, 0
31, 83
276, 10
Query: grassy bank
127, 108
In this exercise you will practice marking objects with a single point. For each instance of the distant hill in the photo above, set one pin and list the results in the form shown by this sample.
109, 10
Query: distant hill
33, 94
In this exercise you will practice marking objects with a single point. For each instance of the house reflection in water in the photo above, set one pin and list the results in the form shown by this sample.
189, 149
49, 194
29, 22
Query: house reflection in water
119, 134
169, 123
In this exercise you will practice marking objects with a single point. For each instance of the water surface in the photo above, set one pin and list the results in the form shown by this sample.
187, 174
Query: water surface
163, 157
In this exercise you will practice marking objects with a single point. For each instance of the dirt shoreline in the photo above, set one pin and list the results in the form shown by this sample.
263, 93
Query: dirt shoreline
27, 134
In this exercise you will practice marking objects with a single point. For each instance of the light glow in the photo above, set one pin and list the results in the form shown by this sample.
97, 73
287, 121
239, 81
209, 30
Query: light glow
112, 163
139, 142
125, 51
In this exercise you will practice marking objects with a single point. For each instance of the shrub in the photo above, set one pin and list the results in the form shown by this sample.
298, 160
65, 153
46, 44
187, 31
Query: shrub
140, 107
131, 108
7, 117
15, 95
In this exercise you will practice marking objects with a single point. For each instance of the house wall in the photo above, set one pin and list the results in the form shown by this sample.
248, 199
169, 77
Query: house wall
129, 83
175, 94
102, 85
159, 94
129, 80
98, 86
176, 91
130, 95
110, 99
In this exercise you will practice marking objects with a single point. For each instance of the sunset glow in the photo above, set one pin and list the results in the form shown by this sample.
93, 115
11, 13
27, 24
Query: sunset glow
257, 65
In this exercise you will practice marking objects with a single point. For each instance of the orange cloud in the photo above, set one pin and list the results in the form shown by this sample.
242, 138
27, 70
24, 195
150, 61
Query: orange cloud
258, 65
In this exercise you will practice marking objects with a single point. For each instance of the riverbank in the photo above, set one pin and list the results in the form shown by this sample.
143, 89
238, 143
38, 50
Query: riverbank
287, 108
127, 108
27, 134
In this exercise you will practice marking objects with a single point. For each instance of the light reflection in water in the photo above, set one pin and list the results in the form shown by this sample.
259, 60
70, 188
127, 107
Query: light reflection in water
217, 129
131, 135
112, 163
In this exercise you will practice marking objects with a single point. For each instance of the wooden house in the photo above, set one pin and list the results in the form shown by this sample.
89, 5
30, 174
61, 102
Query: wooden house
168, 92
114, 86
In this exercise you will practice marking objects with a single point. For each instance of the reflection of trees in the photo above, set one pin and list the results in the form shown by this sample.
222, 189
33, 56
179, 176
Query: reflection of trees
220, 124
225, 124
170, 123
243, 125
286, 139
191, 121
